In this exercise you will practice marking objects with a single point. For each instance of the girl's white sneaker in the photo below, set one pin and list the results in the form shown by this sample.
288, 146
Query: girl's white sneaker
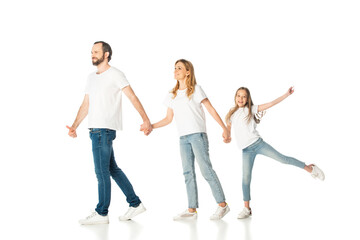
317, 173
220, 212
245, 213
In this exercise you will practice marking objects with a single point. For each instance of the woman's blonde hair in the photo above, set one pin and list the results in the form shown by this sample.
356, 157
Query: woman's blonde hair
190, 79
248, 104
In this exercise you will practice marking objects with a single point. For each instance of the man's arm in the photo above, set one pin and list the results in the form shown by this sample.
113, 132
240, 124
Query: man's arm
146, 126
82, 113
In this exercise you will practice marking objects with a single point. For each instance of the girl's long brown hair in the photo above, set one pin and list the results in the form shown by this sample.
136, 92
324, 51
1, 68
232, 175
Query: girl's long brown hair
248, 104
190, 80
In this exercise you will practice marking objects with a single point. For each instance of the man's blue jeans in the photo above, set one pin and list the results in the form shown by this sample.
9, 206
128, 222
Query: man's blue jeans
249, 154
197, 146
105, 166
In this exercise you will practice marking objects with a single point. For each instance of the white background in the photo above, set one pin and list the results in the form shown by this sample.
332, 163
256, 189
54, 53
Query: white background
47, 178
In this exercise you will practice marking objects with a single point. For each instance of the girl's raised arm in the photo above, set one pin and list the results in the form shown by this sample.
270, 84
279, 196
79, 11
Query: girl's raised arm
265, 106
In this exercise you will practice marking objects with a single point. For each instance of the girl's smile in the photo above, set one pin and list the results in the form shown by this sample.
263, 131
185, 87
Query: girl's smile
241, 98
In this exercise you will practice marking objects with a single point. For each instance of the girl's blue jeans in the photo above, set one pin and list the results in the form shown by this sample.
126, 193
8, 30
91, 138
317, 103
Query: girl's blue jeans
249, 153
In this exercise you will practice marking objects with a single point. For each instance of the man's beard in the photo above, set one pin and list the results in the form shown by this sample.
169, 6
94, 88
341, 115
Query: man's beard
96, 63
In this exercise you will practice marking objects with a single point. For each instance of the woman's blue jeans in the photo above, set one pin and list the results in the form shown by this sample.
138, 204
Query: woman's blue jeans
105, 166
197, 146
249, 154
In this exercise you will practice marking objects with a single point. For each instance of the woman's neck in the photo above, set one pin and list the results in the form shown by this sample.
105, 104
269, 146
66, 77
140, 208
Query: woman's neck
182, 84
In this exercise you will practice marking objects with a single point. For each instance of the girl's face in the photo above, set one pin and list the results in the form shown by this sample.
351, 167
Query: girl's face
180, 71
241, 98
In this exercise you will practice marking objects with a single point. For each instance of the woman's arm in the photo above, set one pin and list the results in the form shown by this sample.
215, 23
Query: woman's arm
215, 115
168, 119
265, 106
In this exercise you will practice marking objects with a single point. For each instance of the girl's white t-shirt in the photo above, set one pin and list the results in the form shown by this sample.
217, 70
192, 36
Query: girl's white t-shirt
104, 92
245, 132
189, 114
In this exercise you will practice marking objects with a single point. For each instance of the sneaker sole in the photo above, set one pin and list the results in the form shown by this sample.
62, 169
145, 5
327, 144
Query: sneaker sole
185, 218
94, 223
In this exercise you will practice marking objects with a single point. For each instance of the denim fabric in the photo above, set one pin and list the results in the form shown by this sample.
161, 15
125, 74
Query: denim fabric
249, 154
197, 146
105, 166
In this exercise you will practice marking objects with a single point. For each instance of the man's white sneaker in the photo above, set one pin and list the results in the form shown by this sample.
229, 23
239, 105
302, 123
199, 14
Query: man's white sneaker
245, 213
317, 173
132, 212
220, 212
94, 218
186, 215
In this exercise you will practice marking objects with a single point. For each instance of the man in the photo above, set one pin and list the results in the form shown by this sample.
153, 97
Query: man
102, 102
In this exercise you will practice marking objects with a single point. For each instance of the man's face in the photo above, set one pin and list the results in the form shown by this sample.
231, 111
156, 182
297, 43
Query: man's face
97, 54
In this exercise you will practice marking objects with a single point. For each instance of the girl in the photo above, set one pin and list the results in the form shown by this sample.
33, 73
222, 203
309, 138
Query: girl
184, 102
242, 118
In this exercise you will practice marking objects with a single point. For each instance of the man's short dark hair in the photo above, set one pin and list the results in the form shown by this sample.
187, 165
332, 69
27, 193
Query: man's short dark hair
106, 48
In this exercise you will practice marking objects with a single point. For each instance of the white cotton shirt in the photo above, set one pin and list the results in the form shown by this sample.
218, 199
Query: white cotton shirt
104, 92
189, 114
245, 133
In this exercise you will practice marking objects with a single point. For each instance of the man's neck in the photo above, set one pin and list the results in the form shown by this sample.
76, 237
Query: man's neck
102, 67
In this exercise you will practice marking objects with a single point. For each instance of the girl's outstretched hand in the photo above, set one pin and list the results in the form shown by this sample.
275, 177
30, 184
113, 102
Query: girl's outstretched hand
291, 90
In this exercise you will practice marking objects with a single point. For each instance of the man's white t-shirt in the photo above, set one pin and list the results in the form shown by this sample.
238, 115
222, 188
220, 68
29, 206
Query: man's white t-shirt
189, 114
104, 92
245, 132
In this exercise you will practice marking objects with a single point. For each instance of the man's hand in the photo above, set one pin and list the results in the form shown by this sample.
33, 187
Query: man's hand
226, 136
72, 132
146, 127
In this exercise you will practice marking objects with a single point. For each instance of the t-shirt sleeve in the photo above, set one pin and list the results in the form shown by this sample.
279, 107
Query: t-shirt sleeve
123, 82
254, 109
87, 86
199, 94
168, 100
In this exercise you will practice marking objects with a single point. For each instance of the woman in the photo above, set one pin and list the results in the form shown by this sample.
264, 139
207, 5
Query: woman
185, 103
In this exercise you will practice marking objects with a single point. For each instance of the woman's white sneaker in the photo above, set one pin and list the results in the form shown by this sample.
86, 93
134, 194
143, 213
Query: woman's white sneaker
186, 215
245, 213
317, 173
220, 212
93, 219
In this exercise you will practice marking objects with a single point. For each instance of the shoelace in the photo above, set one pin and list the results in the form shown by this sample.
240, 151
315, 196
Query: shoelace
92, 215
246, 211
220, 210
186, 213
130, 210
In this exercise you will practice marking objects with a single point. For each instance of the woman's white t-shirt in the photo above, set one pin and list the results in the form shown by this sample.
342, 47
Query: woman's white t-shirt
245, 132
189, 114
104, 92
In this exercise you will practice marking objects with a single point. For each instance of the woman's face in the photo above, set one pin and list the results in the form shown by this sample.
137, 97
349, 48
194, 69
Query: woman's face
241, 98
180, 71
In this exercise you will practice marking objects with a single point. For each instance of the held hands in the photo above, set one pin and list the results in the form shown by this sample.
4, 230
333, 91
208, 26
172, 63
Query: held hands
72, 132
226, 136
146, 127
